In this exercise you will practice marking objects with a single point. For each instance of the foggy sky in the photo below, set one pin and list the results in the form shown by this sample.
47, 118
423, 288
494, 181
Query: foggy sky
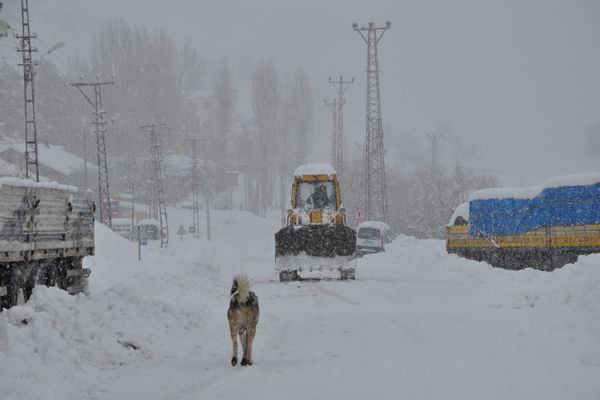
518, 79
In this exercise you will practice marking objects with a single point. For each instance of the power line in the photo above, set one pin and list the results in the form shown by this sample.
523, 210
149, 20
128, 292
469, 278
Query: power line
276, 47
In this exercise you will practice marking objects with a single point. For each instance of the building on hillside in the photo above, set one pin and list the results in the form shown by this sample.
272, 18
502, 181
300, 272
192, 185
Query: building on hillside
55, 164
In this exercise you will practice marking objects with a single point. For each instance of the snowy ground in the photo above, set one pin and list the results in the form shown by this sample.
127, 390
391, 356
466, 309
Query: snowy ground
416, 324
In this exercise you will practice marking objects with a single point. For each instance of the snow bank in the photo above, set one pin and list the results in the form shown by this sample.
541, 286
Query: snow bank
315, 169
419, 321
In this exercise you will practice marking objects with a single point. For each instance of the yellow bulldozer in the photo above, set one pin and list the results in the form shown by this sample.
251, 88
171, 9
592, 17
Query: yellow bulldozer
315, 243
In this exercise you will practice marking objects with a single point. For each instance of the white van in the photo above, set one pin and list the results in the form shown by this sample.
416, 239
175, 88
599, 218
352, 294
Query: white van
371, 237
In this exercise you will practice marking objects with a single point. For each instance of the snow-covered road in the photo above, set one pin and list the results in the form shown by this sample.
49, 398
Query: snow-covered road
417, 323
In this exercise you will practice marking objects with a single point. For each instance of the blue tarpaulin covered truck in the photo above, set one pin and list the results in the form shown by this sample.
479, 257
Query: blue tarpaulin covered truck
543, 226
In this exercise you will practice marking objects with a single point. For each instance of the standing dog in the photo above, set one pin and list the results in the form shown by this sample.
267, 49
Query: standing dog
243, 317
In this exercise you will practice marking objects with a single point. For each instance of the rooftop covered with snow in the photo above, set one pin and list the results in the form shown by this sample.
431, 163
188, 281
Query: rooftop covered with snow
54, 157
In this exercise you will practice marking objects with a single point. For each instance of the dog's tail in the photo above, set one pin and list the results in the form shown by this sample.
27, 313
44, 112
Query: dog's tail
243, 287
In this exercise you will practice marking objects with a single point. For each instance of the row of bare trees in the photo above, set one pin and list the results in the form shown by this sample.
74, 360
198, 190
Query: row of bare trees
422, 195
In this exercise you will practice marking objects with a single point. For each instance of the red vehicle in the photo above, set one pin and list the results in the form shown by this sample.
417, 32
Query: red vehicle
115, 209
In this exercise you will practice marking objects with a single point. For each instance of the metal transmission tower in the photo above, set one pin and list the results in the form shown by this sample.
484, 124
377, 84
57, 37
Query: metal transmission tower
158, 188
435, 140
338, 139
195, 189
100, 129
376, 193
333, 107
31, 147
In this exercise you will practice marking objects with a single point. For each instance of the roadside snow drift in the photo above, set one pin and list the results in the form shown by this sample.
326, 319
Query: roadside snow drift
417, 323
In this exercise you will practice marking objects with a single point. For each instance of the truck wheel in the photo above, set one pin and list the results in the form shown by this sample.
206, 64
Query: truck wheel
55, 276
16, 288
287, 276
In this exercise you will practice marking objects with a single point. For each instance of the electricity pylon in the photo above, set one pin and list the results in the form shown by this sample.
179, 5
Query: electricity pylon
338, 139
31, 145
333, 107
376, 191
195, 189
100, 130
158, 187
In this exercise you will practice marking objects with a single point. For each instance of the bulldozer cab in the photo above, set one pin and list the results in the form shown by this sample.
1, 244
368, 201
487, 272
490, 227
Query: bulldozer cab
316, 195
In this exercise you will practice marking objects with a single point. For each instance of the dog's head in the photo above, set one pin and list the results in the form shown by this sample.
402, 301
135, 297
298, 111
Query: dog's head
241, 287
234, 287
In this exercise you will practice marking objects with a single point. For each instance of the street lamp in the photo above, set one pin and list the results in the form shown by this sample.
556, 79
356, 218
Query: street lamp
4, 28
50, 50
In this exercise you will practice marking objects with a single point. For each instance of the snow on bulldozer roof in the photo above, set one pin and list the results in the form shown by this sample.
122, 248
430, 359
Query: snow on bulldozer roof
315, 169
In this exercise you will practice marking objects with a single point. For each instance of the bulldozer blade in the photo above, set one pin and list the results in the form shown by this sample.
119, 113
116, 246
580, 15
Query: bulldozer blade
315, 240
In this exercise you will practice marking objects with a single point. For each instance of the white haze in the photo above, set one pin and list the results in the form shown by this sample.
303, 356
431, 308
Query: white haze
518, 80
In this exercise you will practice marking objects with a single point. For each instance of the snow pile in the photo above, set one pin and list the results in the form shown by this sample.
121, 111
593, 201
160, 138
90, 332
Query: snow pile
416, 321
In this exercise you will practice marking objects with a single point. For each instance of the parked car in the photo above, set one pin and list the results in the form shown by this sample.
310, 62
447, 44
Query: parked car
149, 229
372, 236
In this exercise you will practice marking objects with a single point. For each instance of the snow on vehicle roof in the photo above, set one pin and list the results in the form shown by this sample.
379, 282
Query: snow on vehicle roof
461, 211
10, 181
533, 191
315, 169
373, 224
148, 221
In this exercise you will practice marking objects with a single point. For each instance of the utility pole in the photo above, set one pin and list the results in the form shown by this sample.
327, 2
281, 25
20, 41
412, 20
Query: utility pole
100, 129
376, 191
435, 139
31, 145
158, 180
85, 171
333, 107
195, 189
338, 157
132, 211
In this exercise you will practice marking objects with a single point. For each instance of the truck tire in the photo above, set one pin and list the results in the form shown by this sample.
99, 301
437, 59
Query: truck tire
16, 287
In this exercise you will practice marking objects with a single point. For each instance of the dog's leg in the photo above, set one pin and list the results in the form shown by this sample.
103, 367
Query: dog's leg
250, 339
233, 331
244, 340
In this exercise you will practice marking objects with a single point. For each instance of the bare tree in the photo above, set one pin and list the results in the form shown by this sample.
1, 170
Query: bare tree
266, 99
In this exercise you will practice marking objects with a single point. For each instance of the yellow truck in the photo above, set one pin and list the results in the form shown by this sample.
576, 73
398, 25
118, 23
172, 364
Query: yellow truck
543, 227
315, 243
